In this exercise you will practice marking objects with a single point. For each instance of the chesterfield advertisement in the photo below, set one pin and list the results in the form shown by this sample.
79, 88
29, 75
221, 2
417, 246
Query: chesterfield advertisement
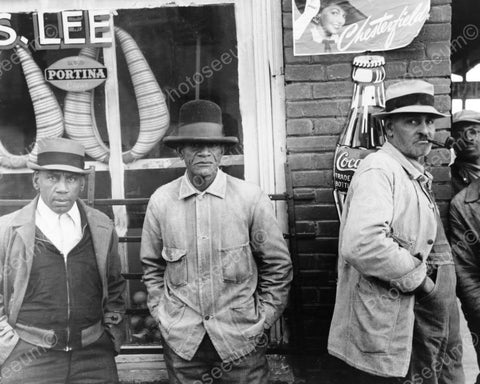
341, 26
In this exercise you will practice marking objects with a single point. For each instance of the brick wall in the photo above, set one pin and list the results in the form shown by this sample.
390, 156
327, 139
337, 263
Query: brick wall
318, 92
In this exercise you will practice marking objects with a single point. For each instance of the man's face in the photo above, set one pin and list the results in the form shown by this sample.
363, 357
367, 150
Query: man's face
409, 133
202, 161
58, 189
467, 142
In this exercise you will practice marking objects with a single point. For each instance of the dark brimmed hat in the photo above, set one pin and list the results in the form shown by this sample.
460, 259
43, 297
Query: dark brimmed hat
352, 14
465, 116
200, 121
410, 96
58, 154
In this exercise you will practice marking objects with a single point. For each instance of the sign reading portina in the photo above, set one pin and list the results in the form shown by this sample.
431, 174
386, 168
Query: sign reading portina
355, 26
76, 73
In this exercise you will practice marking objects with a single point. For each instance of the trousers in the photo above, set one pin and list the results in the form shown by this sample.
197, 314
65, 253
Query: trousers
30, 364
206, 366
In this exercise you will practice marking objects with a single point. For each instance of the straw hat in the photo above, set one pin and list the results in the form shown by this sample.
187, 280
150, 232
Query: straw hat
58, 154
410, 96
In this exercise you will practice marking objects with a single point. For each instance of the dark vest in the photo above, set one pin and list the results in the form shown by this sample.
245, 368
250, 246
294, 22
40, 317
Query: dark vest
63, 296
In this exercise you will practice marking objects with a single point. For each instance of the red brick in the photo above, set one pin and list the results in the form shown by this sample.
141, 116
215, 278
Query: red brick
395, 69
290, 59
334, 59
333, 89
440, 14
443, 103
440, 2
328, 228
304, 72
287, 20
327, 245
287, 5
313, 179
305, 227
414, 51
298, 91
318, 261
318, 295
288, 38
438, 157
438, 50
311, 161
339, 71
440, 173
442, 191
316, 109
442, 86
299, 127
324, 196
435, 32
329, 125
429, 68
311, 143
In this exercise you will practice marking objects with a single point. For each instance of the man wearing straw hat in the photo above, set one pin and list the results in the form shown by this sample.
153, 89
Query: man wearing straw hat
61, 291
216, 266
396, 318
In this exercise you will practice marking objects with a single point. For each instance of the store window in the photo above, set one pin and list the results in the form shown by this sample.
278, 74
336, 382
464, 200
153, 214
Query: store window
225, 51
469, 97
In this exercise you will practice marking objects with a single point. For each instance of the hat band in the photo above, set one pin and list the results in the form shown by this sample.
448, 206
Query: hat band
201, 130
61, 158
407, 100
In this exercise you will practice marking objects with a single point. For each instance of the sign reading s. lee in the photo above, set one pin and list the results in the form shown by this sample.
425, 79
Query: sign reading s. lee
354, 26
65, 29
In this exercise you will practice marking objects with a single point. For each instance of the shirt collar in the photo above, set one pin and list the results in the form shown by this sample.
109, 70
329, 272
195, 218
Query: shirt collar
414, 169
217, 188
45, 212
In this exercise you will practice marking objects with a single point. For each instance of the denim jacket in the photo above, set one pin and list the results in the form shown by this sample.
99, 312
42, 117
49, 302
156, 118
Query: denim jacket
214, 262
387, 232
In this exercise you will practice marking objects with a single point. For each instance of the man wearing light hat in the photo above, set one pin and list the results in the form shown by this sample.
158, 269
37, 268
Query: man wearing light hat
466, 132
465, 218
395, 317
61, 291
215, 263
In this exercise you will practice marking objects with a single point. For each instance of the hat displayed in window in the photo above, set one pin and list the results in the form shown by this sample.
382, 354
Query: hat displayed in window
59, 154
200, 121
410, 96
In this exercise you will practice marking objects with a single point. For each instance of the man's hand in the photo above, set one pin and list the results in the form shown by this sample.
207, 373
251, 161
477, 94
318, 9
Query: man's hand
425, 288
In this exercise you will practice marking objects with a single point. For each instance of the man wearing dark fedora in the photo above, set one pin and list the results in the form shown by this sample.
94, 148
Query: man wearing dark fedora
396, 318
216, 266
61, 291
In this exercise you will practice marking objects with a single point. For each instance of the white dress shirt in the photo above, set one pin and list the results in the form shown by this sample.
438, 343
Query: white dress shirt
64, 231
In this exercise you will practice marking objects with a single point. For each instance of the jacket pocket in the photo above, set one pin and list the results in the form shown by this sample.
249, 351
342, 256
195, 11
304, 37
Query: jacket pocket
176, 265
375, 311
236, 263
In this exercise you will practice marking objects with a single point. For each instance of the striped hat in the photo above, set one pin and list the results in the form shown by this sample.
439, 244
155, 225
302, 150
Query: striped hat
410, 96
58, 154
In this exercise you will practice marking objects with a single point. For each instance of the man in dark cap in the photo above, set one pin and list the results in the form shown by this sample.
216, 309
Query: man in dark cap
216, 266
465, 218
61, 291
466, 132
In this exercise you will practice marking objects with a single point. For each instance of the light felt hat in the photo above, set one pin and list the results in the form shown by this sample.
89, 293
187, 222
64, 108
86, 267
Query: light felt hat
200, 121
466, 116
58, 154
410, 96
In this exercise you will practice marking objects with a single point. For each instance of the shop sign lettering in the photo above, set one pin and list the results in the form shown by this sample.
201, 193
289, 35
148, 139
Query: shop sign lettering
65, 29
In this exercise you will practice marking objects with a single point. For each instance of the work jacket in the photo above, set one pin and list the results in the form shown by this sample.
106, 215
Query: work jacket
465, 242
214, 262
17, 239
387, 232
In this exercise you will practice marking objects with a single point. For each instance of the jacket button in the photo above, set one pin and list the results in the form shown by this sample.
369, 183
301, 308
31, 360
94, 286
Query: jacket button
207, 318
429, 241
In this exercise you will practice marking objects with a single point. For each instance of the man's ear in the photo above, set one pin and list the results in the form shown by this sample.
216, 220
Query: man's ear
388, 127
179, 151
35, 180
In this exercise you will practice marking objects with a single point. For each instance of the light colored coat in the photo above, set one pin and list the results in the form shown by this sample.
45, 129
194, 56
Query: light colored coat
387, 232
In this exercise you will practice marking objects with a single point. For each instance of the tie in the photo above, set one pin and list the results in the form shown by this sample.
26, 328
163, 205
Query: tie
67, 232
327, 44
